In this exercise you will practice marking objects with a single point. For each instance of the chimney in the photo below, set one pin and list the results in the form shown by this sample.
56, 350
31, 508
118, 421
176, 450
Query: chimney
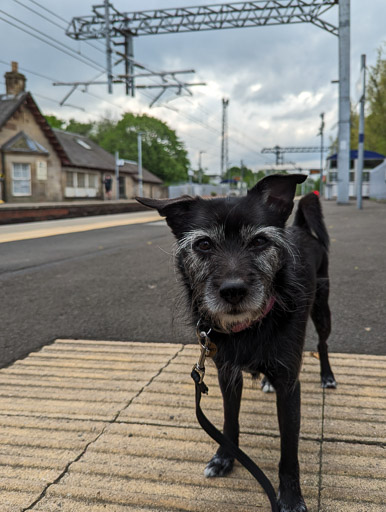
14, 81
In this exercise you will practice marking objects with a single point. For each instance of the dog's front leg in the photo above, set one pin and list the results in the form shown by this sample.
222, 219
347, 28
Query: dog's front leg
231, 388
288, 409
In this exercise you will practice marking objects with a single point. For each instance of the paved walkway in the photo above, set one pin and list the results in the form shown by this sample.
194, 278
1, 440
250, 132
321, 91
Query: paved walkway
89, 426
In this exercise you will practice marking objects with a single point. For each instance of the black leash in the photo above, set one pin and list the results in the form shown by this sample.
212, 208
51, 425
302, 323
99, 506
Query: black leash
208, 349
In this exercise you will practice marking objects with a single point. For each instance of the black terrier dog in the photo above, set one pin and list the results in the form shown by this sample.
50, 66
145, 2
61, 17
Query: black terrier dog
255, 282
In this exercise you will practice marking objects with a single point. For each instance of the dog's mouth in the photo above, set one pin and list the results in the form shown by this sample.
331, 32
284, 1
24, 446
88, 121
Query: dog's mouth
239, 322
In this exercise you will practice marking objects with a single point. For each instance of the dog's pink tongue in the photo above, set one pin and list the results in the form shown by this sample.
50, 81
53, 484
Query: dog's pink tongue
241, 326
245, 325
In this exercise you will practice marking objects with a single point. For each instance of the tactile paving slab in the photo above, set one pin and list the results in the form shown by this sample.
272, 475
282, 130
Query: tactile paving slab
94, 426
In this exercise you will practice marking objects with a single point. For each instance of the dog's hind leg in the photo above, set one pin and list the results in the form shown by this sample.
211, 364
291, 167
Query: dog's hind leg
231, 388
321, 316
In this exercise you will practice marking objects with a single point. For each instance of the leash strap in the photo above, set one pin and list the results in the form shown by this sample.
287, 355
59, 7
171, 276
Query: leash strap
198, 373
235, 452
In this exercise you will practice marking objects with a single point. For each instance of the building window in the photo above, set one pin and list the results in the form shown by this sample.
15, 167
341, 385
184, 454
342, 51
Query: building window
92, 182
81, 184
334, 163
333, 176
70, 179
21, 179
83, 143
371, 164
81, 180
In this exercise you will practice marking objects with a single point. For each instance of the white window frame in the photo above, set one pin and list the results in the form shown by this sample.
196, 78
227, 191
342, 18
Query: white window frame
86, 190
27, 179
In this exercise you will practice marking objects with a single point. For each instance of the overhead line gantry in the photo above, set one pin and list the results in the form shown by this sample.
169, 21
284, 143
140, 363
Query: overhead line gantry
120, 29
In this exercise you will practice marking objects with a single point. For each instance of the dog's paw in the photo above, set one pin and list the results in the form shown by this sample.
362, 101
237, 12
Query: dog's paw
218, 466
290, 499
266, 386
299, 507
328, 381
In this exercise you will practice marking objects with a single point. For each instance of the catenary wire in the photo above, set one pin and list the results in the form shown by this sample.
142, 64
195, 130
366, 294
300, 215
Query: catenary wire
53, 22
76, 56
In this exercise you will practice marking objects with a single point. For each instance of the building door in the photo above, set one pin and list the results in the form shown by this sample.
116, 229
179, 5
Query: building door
122, 188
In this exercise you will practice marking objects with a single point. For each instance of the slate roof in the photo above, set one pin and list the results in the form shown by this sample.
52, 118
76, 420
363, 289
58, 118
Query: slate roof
75, 147
83, 152
9, 105
147, 176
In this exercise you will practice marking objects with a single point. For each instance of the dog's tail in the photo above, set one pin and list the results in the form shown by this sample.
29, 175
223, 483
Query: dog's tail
309, 216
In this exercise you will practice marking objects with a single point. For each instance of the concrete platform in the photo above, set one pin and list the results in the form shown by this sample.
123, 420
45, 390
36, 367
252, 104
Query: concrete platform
11, 213
99, 426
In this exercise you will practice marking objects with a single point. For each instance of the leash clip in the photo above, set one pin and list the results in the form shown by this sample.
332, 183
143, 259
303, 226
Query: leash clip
208, 349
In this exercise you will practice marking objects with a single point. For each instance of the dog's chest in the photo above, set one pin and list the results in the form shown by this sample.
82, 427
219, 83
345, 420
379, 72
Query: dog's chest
251, 354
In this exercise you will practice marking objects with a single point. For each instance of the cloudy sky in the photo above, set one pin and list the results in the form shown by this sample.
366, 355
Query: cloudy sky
277, 78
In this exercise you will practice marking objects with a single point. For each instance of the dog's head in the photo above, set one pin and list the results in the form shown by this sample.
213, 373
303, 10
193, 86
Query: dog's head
230, 250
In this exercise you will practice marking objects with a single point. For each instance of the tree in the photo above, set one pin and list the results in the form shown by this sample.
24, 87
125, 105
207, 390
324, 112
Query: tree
375, 126
55, 122
245, 174
375, 121
354, 130
81, 128
162, 152
72, 125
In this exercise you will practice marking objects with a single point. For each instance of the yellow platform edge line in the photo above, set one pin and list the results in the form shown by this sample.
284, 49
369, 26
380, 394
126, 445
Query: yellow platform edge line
64, 230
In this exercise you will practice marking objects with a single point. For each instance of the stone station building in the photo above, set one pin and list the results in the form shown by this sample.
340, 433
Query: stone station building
40, 164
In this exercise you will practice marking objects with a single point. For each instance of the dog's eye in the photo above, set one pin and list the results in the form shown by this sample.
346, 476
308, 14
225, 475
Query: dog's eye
203, 245
259, 242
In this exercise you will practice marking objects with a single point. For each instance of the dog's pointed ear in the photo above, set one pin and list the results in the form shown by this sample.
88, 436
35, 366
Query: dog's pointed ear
175, 210
278, 191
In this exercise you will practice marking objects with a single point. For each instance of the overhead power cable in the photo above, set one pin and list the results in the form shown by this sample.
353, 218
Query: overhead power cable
39, 14
29, 71
60, 48
62, 27
49, 11
56, 101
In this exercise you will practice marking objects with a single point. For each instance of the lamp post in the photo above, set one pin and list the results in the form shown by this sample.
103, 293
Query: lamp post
321, 132
140, 180
361, 135
200, 167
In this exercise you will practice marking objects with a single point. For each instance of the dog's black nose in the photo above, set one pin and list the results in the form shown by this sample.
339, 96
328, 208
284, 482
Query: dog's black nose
233, 291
